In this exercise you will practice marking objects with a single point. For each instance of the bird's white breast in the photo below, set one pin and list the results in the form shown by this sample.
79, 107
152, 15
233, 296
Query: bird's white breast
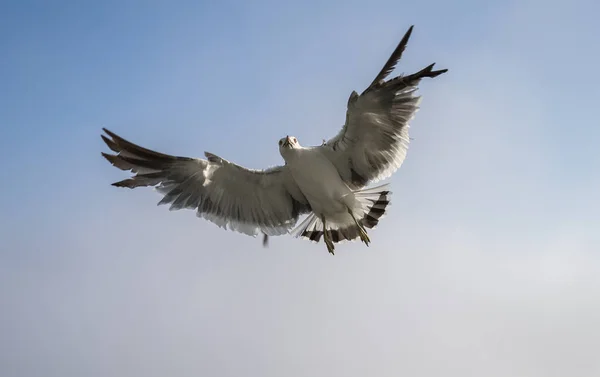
319, 181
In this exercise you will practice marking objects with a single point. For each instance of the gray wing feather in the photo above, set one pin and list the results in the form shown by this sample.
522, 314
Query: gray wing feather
229, 195
373, 142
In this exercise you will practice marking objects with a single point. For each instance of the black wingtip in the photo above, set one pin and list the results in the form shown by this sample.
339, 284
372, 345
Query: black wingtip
438, 72
393, 59
425, 72
112, 138
107, 132
126, 183
406, 37
115, 138
110, 143
265, 240
429, 72
109, 157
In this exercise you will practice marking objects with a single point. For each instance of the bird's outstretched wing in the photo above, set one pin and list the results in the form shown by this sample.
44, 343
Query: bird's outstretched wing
229, 195
373, 142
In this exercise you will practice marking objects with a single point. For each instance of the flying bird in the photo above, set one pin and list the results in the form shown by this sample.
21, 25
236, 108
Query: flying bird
329, 183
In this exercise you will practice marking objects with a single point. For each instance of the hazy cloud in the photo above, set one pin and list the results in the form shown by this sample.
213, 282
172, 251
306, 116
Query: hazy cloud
487, 265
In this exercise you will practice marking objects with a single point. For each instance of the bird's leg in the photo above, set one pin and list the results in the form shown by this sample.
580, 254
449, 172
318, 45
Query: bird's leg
327, 238
362, 232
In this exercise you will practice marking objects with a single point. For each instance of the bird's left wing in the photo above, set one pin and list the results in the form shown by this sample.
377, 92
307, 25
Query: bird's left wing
229, 195
373, 142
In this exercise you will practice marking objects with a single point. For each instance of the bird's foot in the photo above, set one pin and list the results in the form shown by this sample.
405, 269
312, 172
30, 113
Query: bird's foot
364, 237
330, 247
362, 232
329, 243
327, 237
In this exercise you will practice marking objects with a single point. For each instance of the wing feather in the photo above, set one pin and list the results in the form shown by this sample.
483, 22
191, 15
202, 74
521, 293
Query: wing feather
392, 61
373, 142
229, 195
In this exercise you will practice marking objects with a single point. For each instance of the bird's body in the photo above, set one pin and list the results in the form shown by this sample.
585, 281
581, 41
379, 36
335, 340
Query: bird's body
320, 183
329, 182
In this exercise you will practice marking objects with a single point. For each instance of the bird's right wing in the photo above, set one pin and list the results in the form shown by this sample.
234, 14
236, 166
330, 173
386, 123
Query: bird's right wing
229, 195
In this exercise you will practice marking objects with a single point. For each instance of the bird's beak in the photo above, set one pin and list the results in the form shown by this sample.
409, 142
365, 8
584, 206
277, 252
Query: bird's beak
288, 142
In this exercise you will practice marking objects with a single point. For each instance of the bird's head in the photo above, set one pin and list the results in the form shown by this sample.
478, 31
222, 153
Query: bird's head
287, 144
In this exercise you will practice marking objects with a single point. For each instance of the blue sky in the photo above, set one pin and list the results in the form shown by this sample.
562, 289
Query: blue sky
488, 263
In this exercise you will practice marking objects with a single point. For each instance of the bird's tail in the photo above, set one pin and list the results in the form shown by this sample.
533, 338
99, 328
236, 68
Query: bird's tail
371, 205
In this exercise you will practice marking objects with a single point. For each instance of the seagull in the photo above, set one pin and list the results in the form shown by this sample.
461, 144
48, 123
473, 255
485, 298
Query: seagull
330, 182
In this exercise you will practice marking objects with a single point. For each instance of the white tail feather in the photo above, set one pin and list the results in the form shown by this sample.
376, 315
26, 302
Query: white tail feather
370, 207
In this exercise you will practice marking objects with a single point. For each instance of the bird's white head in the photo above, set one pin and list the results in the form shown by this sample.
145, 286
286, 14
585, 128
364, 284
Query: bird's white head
287, 145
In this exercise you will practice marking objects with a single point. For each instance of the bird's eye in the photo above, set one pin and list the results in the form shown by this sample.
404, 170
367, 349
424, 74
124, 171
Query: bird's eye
294, 140
280, 142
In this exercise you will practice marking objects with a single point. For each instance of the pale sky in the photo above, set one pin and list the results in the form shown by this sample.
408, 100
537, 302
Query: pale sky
488, 263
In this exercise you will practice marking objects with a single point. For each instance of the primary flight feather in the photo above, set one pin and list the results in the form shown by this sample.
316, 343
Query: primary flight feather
328, 182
